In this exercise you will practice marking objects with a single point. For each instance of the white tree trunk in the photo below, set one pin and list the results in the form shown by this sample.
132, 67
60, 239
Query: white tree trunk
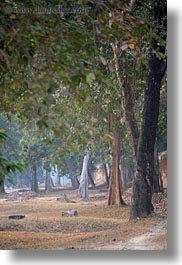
58, 179
83, 188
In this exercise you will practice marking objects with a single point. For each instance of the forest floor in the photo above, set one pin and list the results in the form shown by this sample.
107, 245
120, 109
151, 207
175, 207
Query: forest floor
95, 227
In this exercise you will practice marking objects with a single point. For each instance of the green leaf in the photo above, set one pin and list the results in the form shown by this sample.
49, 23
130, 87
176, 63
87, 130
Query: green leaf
49, 90
90, 77
103, 60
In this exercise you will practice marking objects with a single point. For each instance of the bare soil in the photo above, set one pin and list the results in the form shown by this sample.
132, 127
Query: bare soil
95, 227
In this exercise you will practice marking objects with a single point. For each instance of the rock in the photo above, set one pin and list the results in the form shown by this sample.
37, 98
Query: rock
70, 213
16, 216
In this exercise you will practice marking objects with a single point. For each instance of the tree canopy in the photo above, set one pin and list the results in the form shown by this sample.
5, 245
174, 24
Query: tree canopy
66, 66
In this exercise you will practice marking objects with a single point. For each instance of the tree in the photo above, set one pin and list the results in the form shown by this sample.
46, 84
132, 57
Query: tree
143, 181
48, 182
8, 163
58, 177
83, 188
34, 186
72, 174
64, 70
142, 132
115, 191
6, 166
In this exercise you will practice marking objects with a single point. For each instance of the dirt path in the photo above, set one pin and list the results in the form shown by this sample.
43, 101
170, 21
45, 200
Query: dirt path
96, 226
155, 239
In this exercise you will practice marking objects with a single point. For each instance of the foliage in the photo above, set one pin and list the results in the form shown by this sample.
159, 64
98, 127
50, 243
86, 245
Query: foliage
58, 76
7, 167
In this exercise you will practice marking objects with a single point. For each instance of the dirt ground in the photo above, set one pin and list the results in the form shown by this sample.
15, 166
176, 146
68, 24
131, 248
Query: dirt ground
95, 227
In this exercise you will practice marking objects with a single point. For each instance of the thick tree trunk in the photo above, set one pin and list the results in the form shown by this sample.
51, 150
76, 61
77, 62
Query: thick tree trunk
130, 120
127, 101
143, 181
90, 178
74, 182
73, 177
144, 176
2, 189
83, 188
48, 182
34, 186
115, 192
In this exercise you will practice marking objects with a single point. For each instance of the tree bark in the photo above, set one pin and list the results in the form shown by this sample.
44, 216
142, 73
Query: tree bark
2, 189
83, 188
157, 185
123, 179
19, 182
73, 177
34, 186
106, 174
74, 182
130, 120
115, 193
105, 170
143, 180
127, 101
90, 178
48, 182
58, 179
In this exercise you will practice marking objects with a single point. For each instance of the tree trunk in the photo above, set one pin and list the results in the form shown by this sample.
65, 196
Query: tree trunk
34, 186
115, 193
90, 178
58, 179
2, 189
157, 185
83, 188
19, 182
28, 178
73, 177
48, 182
143, 180
105, 170
106, 174
127, 101
123, 179
163, 169
74, 182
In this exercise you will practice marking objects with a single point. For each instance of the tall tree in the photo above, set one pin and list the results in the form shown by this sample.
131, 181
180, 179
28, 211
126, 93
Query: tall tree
61, 72
58, 177
115, 192
8, 153
142, 134
72, 174
143, 181
83, 188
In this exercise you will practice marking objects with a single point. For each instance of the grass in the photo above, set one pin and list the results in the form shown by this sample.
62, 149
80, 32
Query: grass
45, 228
